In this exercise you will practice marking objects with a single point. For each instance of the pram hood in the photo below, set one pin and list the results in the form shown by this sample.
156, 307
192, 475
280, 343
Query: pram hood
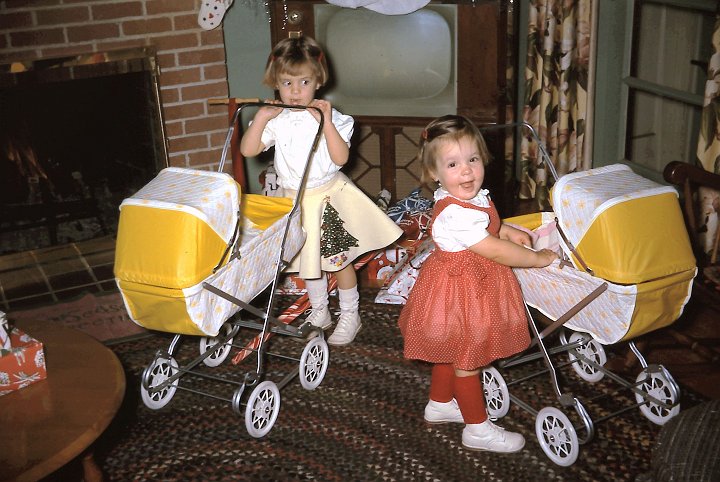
173, 231
626, 228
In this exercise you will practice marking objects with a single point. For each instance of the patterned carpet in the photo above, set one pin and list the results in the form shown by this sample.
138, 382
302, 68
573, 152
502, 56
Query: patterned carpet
364, 422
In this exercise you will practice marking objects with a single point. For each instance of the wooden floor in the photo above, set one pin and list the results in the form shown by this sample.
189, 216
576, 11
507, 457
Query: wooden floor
689, 348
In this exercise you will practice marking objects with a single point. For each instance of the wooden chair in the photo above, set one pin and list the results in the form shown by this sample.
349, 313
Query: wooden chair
706, 291
690, 178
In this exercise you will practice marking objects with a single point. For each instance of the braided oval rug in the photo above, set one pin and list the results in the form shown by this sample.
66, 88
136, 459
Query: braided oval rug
364, 422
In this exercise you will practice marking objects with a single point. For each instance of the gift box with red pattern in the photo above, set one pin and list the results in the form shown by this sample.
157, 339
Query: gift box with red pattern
22, 364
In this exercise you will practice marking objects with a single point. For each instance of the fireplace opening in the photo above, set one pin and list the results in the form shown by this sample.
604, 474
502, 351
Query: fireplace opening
77, 136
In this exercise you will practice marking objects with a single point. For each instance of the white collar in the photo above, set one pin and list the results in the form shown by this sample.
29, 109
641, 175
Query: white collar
481, 199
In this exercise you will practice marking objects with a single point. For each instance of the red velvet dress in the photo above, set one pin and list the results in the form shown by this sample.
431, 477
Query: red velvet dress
464, 309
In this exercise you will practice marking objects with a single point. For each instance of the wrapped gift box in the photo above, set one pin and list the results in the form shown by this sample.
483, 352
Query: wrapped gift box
22, 364
382, 266
290, 284
400, 281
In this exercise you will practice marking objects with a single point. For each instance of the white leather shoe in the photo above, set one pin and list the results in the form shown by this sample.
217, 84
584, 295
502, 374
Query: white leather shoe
348, 326
443, 412
320, 318
490, 437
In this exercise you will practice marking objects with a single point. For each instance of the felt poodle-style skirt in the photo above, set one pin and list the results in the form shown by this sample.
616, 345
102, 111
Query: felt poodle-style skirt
341, 223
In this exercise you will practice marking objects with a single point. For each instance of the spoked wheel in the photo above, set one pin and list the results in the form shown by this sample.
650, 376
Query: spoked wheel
592, 350
658, 383
313, 363
221, 352
497, 398
154, 374
262, 409
557, 436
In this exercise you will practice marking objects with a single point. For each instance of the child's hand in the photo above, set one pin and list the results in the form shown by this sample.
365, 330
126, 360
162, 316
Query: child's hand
265, 113
324, 106
519, 237
545, 257
515, 235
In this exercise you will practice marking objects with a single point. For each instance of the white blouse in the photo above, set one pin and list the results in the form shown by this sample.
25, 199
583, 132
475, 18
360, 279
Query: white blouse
292, 133
457, 228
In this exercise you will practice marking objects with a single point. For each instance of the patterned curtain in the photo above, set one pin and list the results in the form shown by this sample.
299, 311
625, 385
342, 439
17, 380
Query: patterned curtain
556, 91
708, 149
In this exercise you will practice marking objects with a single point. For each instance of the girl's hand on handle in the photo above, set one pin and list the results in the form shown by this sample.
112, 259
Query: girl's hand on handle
337, 147
545, 257
265, 113
325, 107
251, 143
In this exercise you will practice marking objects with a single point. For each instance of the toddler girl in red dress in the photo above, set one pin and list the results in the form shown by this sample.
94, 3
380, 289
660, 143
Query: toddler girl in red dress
466, 308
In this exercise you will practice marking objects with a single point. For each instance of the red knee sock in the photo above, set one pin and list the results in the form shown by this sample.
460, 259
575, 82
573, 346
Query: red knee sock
441, 382
470, 398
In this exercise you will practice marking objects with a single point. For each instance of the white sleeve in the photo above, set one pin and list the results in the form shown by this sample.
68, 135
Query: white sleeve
268, 134
457, 228
344, 124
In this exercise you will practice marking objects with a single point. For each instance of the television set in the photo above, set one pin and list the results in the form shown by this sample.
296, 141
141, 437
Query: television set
447, 57
382, 72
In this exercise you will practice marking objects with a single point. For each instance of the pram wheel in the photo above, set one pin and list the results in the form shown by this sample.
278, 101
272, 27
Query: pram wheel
155, 374
313, 363
262, 409
657, 382
557, 436
593, 351
497, 397
222, 352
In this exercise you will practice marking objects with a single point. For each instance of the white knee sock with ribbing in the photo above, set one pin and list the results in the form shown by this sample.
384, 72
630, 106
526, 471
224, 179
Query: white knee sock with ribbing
317, 290
349, 299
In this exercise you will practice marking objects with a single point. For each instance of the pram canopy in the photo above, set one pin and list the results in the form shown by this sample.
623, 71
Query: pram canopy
173, 231
179, 231
626, 228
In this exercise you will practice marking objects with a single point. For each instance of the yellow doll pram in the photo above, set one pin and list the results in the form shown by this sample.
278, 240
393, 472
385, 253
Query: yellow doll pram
172, 240
191, 255
620, 230
626, 269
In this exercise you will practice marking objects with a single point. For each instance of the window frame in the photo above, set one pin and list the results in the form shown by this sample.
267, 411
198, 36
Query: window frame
614, 80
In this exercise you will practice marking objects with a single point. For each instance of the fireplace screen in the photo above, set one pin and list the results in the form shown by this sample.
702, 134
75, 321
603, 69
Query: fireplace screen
77, 136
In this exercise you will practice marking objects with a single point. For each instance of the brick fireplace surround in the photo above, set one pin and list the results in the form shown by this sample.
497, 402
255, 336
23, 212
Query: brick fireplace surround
191, 60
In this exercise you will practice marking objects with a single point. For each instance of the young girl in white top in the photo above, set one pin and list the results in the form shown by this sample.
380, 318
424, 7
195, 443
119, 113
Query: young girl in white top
466, 308
340, 221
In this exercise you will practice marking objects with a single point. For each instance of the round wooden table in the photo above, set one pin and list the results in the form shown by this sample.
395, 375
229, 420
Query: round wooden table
53, 421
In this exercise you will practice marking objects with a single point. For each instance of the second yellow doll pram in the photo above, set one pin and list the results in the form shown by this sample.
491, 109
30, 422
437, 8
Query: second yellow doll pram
192, 254
626, 269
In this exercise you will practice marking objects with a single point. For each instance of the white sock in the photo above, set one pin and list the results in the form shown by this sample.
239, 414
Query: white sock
317, 290
349, 299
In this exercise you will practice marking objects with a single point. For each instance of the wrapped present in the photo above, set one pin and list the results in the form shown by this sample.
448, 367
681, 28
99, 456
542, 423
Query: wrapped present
383, 264
413, 215
22, 364
4, 332
415, 224
290, 284
397, 288
413, 203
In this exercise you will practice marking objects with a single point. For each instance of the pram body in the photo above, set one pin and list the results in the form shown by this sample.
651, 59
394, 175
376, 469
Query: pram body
173, 238
629, 233
626, 269
193, 253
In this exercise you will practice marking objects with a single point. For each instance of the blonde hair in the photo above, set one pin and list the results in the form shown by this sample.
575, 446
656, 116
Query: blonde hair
444, 129
290, 55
